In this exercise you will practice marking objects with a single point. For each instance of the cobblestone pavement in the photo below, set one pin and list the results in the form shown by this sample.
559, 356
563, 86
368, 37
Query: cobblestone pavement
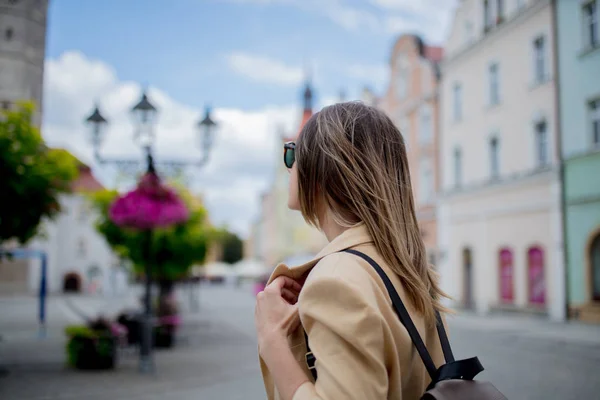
216, 358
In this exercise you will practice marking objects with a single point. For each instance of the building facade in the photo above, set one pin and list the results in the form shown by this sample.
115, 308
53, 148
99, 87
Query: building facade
79, 259
411, 101
578, 32
282, 233
499, 214
22, 52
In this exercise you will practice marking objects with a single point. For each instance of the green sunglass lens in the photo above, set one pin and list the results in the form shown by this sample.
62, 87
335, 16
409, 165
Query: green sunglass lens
289, 158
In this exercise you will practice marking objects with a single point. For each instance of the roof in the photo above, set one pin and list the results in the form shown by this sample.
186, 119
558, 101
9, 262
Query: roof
86, 181
434, 53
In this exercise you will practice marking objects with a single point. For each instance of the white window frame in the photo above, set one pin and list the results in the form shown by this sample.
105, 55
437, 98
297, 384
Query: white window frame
537, 78
593, 116
426, 78
538, 117
426, 183
402, 77
425, 130
494, 84
458, 161
585, 24
538, 160
494, 157
488, 14
457, 98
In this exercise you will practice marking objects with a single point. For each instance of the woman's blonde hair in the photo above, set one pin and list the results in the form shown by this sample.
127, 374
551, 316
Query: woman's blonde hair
352, 159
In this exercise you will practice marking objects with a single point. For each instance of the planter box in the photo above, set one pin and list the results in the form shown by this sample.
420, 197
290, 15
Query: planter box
164, 330
89, 353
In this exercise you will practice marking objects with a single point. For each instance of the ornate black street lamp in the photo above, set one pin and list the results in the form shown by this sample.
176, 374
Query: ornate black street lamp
145, 116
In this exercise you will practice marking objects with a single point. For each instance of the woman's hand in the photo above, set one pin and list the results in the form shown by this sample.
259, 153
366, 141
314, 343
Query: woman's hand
276, 313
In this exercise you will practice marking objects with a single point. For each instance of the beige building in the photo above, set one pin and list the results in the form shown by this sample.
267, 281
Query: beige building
280, 233
499, 215
411, 101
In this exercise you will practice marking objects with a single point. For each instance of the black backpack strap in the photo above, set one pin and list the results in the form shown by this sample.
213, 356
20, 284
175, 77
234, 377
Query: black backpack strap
310, 358
403, 314
448, 356
452, 369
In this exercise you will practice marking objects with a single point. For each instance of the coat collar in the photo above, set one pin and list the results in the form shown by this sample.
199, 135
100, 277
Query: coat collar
351, 237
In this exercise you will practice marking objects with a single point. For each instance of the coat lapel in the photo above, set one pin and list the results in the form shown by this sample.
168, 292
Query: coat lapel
351, 237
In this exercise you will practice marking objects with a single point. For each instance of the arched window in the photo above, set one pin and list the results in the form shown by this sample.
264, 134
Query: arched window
536, 278
595, 267
506, 265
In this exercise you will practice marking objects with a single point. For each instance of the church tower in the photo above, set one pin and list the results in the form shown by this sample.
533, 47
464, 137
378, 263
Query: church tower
22, 52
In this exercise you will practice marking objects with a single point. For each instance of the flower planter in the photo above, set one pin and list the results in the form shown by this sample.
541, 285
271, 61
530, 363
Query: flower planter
165, 329
133, 325
92, 353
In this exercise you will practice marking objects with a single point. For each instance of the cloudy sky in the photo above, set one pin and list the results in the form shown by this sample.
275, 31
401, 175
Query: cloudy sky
246, 58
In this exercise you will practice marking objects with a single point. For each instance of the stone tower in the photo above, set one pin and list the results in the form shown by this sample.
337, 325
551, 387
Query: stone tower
22, 52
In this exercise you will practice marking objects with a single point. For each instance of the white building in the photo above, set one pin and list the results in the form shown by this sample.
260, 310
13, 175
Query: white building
79, 258
499, 216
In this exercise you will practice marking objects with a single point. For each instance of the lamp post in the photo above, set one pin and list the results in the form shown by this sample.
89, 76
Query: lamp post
144, 115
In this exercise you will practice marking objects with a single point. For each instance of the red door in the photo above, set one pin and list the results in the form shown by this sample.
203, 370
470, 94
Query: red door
506, 276
537, 282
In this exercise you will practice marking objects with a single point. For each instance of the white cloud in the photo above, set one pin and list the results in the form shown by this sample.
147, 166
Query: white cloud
264, 69
372, 75
240, 164
430, 18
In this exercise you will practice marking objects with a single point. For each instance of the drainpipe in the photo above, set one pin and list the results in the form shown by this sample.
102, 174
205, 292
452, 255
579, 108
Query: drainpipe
561, 161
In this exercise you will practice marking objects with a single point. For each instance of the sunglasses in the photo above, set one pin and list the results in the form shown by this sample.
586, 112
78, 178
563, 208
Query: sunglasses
289, 154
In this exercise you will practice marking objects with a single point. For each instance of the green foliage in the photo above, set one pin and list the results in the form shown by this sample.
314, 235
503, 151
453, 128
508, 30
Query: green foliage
81, 331
174, 250
33, 175
233, 247
77, 334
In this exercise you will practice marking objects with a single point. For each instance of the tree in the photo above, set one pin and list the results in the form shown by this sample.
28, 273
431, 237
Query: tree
232, 246
33, 176
174, 250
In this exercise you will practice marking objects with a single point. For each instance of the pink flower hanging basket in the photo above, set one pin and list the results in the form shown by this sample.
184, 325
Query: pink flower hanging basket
149, 205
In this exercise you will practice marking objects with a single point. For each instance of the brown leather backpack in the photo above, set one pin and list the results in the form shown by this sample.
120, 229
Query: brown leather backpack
453, 380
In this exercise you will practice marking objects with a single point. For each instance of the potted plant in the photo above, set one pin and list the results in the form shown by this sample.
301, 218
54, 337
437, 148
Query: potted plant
93, 346
167, 322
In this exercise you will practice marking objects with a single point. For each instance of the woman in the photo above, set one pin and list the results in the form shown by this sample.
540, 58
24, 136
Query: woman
350, 178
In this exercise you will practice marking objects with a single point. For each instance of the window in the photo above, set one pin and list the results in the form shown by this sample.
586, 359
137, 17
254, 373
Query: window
457, 167
535, 272
494, 158
507, 292
426, 125
541, 143
468, 31
402, 77
487, 15
595, 264
425, 181
595, 122
404, 128
499, 11
590, 24
457, 94
540, 73
81, 248
494, 84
